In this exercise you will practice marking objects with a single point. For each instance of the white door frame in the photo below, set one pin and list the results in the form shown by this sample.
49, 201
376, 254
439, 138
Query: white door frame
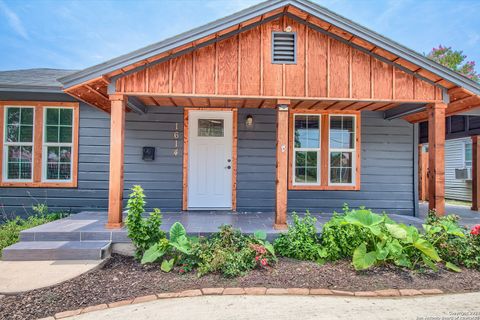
187, 148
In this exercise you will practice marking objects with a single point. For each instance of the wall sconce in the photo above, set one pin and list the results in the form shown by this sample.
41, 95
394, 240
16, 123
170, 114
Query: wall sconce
249, 121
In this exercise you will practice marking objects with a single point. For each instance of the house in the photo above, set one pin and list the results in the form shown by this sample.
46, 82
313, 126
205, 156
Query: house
282, 106
459, 178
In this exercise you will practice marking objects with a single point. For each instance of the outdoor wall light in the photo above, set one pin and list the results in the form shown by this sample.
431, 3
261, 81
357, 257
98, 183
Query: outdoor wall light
249, 121
148, 154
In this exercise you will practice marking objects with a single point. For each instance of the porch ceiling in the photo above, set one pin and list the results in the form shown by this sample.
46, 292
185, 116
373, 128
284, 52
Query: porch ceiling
267, 103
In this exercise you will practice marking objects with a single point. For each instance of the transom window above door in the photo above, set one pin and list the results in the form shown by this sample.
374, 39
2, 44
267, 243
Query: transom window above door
40, 144
323, 151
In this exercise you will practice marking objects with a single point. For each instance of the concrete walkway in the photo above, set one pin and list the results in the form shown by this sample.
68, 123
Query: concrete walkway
295, 307
19, 276
467, 216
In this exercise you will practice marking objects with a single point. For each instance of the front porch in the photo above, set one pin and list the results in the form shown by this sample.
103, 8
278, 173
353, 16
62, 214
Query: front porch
91, 226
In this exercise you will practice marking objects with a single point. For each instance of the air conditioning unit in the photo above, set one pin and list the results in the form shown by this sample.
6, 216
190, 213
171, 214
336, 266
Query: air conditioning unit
463, 174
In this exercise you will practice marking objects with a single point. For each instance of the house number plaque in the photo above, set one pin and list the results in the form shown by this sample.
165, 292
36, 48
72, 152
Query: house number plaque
175, 138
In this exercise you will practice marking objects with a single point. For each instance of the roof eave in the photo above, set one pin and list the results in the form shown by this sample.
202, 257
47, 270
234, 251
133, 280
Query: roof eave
30, 88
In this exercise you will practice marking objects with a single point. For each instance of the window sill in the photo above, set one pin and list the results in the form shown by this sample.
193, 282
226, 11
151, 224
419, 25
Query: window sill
326, 188
12, 184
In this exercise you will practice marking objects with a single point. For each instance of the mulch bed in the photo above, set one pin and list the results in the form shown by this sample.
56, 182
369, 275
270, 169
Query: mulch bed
123, 278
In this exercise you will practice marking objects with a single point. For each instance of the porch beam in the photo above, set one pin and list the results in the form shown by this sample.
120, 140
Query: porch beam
136, 105
475, 173
436, 154
282, 165
117, 142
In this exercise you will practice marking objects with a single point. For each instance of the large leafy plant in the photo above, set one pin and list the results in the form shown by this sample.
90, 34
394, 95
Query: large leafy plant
144, 232
385, 241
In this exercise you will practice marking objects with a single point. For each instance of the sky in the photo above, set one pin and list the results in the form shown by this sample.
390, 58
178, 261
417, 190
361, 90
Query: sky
71, 34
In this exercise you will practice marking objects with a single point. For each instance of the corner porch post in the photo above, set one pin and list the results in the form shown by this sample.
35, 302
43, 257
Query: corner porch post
282, 165
436, 154
117, 139
475, 173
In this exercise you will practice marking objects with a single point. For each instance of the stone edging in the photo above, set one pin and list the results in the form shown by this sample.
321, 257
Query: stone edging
249, 291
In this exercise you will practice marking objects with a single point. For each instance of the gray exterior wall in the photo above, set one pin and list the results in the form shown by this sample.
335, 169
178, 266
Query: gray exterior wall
387, 165
387, 172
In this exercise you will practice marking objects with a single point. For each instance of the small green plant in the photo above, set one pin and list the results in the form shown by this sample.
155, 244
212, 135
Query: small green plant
144, 232
301, 241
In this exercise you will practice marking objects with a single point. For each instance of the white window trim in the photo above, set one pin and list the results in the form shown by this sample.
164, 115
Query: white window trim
318, 150
45, 146
353, 151
21, 144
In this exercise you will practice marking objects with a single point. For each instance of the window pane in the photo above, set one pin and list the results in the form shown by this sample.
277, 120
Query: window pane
52, 134
335, 159
300, 158
468, 154
26, 154
66, 117
64, 173
26, 170
300, 175
14, 154
65, 134
26, 133
335, 175
312, 159
12, 133
52, 116
27, 116
65, 154
311, 175
53, 154
307, 131
342, 133
13, 116
346, 176
13, 171
52, 171
210, 127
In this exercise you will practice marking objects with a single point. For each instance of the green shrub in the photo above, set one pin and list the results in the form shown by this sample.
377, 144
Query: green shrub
454, 243
144, 232
11, 228
301, 240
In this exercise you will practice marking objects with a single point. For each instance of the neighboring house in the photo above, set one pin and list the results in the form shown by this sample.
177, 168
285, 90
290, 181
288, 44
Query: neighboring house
283, 106
459, 173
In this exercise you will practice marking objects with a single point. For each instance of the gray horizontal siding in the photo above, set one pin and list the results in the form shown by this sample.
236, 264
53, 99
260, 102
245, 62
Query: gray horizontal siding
387, 166
386, 172
456, 189
92, 191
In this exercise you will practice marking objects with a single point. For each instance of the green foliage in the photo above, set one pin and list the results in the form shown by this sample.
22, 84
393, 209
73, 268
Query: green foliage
301, 240
455, 245
167, 265
11, 228
144, 232
455, 60
372, 239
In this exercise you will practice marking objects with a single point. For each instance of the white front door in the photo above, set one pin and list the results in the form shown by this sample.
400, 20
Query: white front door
209, 160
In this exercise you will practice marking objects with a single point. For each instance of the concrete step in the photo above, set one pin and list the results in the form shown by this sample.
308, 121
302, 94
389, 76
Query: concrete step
57, 250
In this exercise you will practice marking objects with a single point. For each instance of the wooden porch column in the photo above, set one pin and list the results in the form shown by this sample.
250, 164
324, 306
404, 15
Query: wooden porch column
117, 137
282, 165
436, 157
475, 173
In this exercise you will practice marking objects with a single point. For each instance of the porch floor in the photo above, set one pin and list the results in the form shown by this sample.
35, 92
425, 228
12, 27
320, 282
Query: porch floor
90, 226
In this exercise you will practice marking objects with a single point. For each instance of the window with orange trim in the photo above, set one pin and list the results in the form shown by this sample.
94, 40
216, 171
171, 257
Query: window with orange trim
39, 144
324, 150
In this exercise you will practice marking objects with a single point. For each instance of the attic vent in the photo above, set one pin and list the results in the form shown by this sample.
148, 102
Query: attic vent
284, 47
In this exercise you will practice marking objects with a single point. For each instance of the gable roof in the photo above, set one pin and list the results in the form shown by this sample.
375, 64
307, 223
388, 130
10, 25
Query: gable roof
35, 80
306, 6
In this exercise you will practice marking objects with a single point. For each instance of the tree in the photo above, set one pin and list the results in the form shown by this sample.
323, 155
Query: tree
455, 60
